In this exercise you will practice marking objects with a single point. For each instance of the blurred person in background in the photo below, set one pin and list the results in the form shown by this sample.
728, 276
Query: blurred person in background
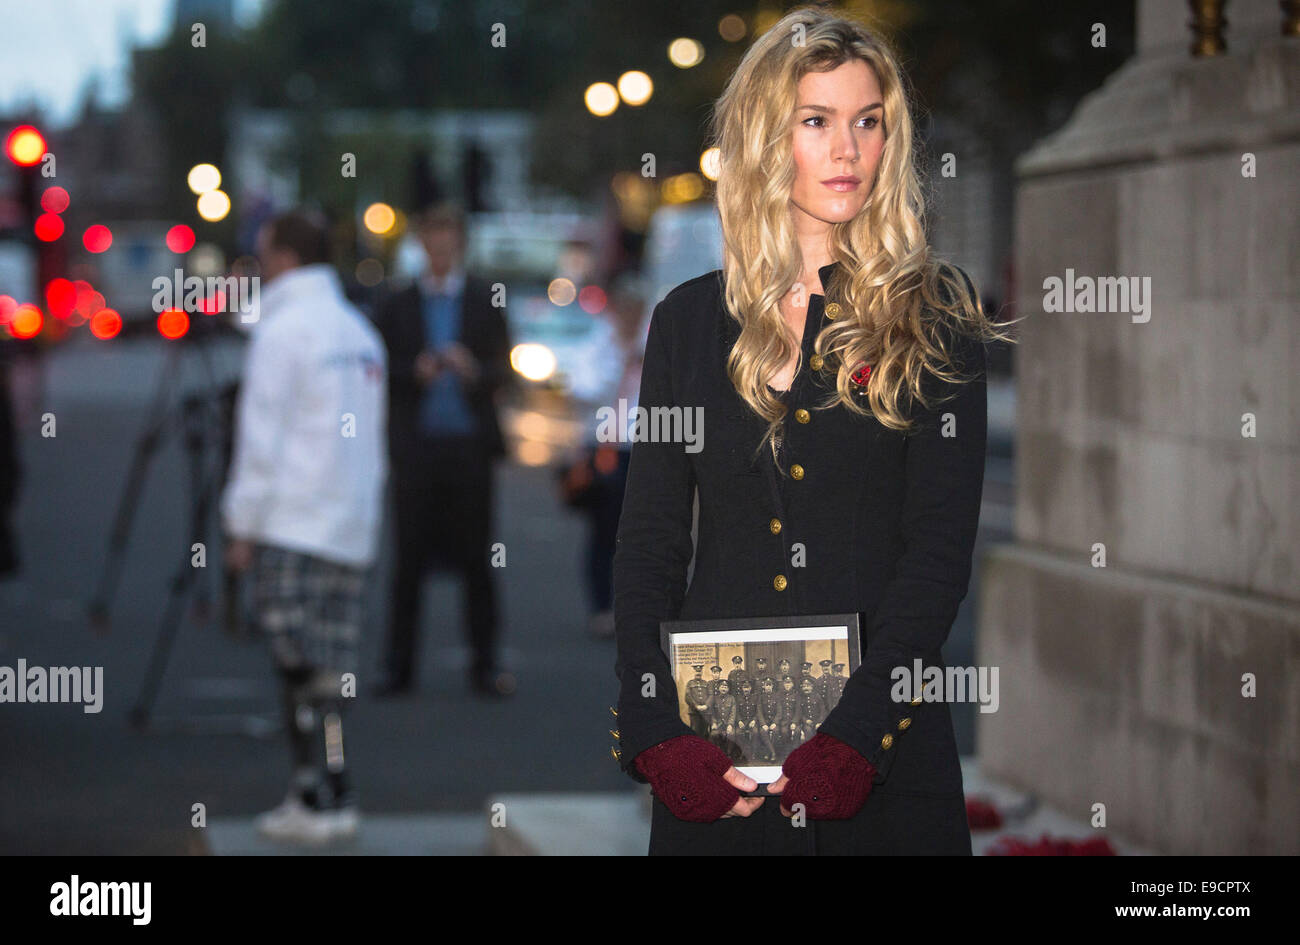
594, 480
448, 354
303, 506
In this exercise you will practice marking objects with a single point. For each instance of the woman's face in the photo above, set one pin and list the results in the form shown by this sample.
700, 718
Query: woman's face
842, 137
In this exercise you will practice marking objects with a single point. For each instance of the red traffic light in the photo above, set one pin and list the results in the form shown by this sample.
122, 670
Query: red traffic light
25, 146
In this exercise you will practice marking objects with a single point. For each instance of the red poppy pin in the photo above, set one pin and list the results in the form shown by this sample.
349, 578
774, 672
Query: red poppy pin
862, 374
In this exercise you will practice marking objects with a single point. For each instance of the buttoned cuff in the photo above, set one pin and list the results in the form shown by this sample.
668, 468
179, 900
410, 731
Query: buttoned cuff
880, 745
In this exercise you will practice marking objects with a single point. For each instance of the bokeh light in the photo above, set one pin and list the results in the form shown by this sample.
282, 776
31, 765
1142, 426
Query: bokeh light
732, 28
370, 272
180, 238
173, 323
592, 299
214, 205
635, 87
26, 322
25, 146
48, 227
105, 324
55, 200
535, 362
711, 163
561, 291
682, 188
203, 178
379, 218
60, 297
97, 238
685, 53
601, 99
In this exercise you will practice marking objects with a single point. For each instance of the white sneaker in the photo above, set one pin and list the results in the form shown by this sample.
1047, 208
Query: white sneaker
294, 822
282, 818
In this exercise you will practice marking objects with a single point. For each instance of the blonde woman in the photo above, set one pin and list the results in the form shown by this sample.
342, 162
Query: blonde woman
840, 370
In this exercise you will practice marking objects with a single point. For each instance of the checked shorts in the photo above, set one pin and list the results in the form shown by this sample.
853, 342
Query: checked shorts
309, 609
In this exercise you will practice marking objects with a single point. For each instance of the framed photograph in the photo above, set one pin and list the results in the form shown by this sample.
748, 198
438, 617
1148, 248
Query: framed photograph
759, 687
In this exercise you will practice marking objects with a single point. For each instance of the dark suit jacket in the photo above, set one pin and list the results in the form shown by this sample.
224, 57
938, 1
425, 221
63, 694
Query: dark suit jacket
483, 330
887, 522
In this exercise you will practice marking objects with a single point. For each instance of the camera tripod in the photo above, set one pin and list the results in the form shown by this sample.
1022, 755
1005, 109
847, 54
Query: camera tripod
202, 420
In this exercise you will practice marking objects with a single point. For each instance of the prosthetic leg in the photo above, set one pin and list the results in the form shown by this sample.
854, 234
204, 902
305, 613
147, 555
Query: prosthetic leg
321, 805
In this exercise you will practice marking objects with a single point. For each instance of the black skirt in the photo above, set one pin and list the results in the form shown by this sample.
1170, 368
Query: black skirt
887, 825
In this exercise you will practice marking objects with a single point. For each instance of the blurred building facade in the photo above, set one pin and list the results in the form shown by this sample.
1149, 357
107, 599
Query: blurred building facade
1164, 685
501, 138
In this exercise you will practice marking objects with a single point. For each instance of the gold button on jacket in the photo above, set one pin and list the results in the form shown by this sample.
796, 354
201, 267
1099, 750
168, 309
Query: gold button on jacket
775, 526
779, 582
803, 416
816, 362
796, 471
832, 310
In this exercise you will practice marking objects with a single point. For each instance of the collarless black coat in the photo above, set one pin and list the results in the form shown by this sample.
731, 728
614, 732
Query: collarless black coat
887, 522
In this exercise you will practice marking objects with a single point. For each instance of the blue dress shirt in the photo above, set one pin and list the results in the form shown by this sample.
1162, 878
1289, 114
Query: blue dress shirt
444, 411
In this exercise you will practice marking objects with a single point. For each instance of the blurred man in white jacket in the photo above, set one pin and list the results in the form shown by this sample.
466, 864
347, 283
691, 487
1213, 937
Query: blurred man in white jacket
303, 506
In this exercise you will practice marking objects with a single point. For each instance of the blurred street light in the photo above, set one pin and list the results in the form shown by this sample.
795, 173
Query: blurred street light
561, 291
635, 87
683, 188
48, 227
26, 322
203, 178
97, 238
379, 218
684, 53
25, 146
711, 163
601, 99
180, 238
534, 361
214, 205
173, 323
54, 200
732, 28
105, 324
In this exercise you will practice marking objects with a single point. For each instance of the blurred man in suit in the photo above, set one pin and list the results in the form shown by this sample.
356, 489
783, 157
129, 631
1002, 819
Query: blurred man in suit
449, 353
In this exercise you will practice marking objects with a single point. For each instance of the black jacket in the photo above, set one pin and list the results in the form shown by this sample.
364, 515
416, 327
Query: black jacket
887, 521
483, 330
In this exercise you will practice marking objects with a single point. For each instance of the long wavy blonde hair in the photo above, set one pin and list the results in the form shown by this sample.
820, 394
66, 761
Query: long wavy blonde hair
900, 302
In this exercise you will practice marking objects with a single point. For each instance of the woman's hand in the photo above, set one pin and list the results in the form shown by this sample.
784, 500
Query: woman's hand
826, 776
696, 780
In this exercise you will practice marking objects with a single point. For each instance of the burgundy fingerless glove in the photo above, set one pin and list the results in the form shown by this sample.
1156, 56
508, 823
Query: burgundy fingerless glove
830, 779
686, 774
